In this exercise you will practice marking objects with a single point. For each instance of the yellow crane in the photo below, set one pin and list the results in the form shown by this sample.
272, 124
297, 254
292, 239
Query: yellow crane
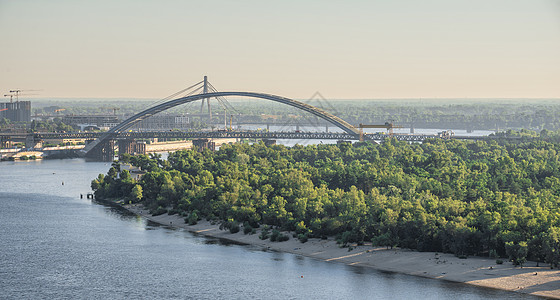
388, 125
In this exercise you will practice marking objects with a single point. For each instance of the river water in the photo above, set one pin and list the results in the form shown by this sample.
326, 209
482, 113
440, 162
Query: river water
55, 245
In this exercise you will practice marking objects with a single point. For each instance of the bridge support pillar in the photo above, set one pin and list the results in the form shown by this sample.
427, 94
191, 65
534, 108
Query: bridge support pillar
126, 146
105, 151
202, 144
131, 147
32, 142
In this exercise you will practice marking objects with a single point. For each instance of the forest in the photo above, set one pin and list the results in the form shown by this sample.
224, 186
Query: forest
487, 198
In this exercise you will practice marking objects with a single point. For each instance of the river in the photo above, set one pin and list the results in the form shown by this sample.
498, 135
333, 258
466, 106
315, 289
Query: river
53, 244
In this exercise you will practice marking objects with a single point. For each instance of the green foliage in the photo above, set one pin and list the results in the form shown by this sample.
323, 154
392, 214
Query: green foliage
117, 184
158, 211
231, 225
303, 237
247, 228
462, 197
274, 235
56, 125
192, 219
265, 233
517, 252
136, 193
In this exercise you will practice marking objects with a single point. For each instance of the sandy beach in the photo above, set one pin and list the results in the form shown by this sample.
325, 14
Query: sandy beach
530, 279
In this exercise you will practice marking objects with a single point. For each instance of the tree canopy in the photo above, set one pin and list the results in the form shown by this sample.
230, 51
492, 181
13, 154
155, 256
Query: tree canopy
462, 197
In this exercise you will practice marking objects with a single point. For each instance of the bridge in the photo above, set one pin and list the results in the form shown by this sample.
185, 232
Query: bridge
101, 147
102, 144
125, 138
232, 134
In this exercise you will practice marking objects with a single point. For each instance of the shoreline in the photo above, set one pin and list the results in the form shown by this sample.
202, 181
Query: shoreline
478, 271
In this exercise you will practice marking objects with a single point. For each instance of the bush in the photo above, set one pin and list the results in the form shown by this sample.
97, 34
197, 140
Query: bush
264, 233
283, 238
274, 235
247, 229
159, 211
499, 261
231, 225
192, 219
234, 228
347, 237
303, 238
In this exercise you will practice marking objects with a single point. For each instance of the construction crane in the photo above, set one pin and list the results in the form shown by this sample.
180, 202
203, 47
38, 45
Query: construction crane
11, 97
16, 93
388, 125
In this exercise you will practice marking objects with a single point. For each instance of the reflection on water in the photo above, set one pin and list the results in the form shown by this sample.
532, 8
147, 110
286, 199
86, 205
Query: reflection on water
56, 245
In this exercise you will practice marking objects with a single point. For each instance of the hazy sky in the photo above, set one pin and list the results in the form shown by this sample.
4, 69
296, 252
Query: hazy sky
344, 49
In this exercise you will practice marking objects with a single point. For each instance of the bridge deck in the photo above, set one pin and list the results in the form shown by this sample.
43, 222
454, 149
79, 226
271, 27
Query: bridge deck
246, 134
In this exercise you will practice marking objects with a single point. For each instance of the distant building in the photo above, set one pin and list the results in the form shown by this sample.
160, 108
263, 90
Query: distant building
157, 122
82, 121
163, 122
135, 172
19, 111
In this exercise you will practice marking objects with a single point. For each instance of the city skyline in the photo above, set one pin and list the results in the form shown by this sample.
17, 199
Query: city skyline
357, 50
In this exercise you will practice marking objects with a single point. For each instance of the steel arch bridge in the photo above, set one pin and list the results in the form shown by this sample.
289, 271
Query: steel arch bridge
351, 130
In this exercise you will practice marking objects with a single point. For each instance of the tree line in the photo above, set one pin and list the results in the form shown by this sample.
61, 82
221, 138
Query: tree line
536, 114
497, 199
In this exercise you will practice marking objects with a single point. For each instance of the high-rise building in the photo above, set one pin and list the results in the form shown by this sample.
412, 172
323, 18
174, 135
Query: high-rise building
19, 111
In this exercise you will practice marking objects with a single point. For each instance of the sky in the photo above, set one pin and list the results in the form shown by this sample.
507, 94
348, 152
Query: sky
354, 49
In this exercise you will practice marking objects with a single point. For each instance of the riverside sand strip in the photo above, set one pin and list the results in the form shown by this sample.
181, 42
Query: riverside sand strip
530, 279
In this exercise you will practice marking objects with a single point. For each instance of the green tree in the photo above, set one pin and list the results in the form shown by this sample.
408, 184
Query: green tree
517, 252
136, 193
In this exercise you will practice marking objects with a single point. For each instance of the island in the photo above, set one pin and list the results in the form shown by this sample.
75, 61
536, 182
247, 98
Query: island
467, 211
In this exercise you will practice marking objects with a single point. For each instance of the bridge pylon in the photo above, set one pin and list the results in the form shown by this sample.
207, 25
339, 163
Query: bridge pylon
207, 100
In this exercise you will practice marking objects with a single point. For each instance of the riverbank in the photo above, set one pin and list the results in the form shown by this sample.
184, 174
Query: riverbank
530, 279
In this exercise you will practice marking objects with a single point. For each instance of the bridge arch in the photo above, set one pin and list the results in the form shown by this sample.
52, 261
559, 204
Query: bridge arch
172, 103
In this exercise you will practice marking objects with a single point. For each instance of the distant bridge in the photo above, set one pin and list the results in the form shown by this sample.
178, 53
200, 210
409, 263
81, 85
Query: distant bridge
351, 131
231, 134
103, 143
